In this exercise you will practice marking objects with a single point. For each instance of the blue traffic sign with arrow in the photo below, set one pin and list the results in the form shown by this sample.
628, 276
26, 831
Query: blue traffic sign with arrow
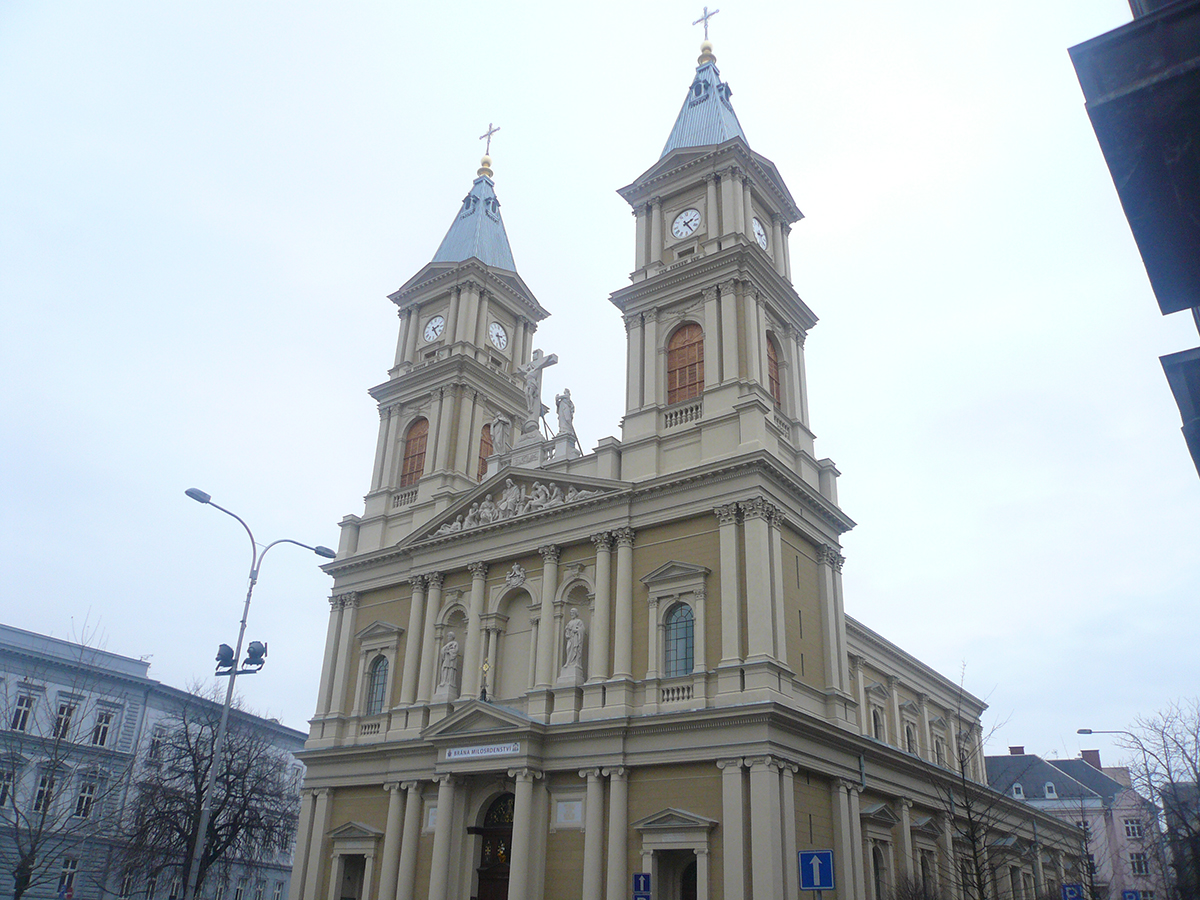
816, 870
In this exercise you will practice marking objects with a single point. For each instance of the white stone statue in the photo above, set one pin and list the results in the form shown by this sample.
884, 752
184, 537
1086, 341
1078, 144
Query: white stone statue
566, 412
575, 633
532, 373
449, 676
500, 433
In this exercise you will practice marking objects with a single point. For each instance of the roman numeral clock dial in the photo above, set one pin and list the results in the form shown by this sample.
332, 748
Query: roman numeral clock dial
686, 223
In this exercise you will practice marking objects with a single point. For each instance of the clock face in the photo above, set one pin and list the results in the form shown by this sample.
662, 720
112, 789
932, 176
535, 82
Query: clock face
498, 335
434, 328
760, 233
686, 223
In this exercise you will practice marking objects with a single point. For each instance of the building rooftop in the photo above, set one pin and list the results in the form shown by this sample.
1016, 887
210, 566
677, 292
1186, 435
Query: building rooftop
478, 231
707, 116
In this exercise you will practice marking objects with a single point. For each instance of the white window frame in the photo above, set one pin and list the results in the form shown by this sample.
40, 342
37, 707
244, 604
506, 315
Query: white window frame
103, 727
1133, 828
377, 639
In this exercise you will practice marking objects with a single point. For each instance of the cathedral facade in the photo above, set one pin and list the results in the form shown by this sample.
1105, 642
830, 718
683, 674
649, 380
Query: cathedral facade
556, 674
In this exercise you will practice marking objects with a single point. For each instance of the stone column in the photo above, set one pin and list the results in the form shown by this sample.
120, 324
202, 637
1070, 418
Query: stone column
381, 447
472, 657
468, 313
766, 851
777, 243
747, 207
316, 844
714, 370
391, 841
407, 877
656, 230
545, 644
412, 641
896, 724
787, 253
410, 335
729, 202
700, 633
856, 838
451, 396
429, 648
926, 734
799, 383
304, 825
731, 585
711, 212
623, 621
451, 332
593, 836
948, 867
1039, 867
517, 349
640, 238
775, 533
702, 873
481, 321
324, 698
730, 355
650, 370
464, 436
760, 601
829, 561
653, 639
598, 655
439, 864
733, 821
633, 343
860, 693
520, 875
906, 841
791, 877
618, 826
752, 336
843, 839
349, 601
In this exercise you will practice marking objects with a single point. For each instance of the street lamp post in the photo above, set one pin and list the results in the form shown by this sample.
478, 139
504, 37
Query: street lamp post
256, 559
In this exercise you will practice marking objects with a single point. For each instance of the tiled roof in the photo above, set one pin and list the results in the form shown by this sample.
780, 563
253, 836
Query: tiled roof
707, 116
1032, 772
478, 230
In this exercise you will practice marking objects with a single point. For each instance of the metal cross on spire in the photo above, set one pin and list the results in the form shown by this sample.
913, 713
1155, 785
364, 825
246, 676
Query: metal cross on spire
704, 18
488, 134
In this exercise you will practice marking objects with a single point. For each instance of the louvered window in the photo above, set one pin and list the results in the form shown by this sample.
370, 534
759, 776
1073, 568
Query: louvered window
685, 364
414, 452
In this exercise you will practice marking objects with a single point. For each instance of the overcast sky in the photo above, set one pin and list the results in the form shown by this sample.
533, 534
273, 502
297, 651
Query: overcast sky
204, 206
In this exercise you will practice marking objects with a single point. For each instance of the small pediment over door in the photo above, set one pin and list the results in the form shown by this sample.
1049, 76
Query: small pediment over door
355, 831
672, 819
482, 719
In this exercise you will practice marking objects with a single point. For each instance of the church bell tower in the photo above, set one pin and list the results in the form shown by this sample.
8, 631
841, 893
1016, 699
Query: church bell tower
715, 364
455, 395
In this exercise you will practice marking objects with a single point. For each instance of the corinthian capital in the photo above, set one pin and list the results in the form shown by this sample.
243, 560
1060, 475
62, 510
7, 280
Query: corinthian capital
478, 569
727, 514
435, 579
624, 537
603, 541
348, 600
550, 553
417, 582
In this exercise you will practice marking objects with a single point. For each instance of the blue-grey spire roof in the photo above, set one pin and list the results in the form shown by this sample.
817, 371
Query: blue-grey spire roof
478, 230
707, 116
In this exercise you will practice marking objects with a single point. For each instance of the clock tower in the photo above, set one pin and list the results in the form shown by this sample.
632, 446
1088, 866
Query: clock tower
715, 364
454, 396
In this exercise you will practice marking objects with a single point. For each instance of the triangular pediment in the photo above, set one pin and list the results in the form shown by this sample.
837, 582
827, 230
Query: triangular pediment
926, 825
514, 495
353, 831
881, 813
379, 631
877, 689
674, 820
675, 571
477, 717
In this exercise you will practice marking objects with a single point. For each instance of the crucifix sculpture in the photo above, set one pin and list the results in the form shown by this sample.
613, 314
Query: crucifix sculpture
704, 18
493, 129
532, 373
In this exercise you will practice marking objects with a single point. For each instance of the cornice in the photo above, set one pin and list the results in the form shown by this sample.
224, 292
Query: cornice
476, 273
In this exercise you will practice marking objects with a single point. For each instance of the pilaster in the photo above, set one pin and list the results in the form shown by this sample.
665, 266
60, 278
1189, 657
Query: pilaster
618, 828
520, 876
593, 835
472, 656
429, 649
412, 641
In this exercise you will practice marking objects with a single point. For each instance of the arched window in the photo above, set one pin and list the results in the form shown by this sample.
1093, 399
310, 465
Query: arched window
877, 725
879, 867
414, 452
910, 739
485, 449
685, 363
1050, 791
1018, 791
377, 686
773, 372
680, 640
939, 751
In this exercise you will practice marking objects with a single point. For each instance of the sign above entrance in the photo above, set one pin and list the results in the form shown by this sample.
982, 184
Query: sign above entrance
484, 750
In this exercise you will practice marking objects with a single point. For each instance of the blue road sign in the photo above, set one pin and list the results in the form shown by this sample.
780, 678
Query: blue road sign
1131, 895
816, 870
641, 886
1072, 892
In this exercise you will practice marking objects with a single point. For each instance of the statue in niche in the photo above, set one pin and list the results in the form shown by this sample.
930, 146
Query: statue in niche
575, 633
500, 426
449, 677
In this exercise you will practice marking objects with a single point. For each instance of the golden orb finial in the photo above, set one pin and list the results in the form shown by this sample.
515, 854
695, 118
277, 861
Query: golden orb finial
485, 166
706, 53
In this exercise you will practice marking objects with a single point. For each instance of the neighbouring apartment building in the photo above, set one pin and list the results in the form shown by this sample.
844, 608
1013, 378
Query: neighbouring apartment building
548, 672
78, 725
1121, 839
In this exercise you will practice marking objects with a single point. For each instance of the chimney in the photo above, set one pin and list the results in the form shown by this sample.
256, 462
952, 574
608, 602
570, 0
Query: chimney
1091, 757
1016, 751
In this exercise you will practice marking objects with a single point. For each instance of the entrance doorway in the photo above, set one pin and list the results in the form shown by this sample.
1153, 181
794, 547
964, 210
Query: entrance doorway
496, 849
676, 874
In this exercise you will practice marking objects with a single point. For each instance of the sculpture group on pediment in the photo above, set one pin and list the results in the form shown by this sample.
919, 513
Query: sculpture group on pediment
513, 501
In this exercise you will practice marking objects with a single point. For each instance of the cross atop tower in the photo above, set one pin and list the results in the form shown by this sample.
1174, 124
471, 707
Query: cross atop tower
493, 129
704, 18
